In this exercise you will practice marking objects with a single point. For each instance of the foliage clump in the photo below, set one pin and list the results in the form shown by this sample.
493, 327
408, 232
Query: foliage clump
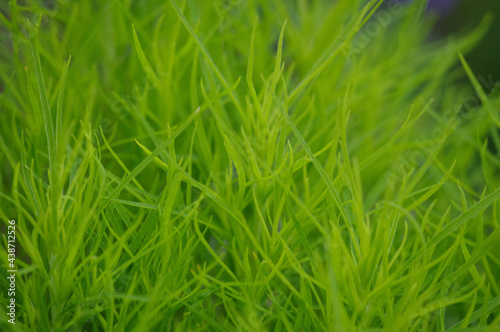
246, 165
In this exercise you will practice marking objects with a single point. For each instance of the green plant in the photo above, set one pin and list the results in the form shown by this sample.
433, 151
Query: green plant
246, 165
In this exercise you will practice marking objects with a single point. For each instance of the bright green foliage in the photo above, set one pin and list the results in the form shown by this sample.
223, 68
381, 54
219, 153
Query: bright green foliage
246, 165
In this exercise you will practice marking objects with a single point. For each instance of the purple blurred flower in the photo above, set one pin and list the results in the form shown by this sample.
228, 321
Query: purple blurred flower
438, 6
441, 6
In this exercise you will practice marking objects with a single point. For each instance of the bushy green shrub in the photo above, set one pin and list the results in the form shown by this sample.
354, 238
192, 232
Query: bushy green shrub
246, 165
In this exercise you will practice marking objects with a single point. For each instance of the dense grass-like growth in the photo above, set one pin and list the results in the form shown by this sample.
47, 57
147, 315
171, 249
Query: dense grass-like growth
246, 166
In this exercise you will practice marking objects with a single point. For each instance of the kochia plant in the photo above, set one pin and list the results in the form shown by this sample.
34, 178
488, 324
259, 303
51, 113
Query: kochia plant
246, 165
